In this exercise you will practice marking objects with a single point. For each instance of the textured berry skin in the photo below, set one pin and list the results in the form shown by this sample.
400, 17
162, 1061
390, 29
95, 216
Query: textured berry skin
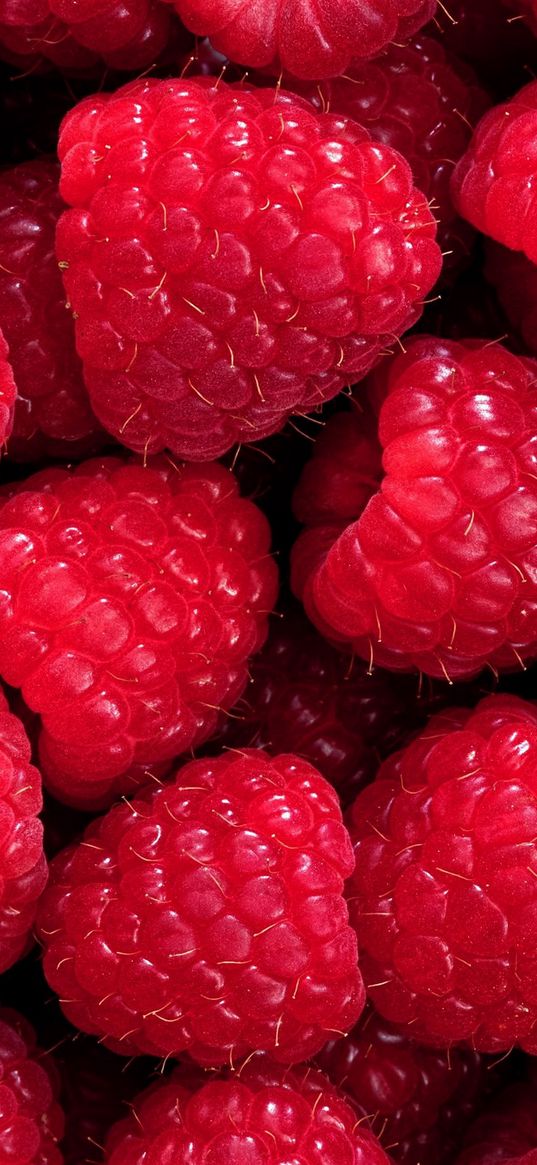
52, 416
263, 1115
233, 257
208, 916
8, 391
514, 279
289, 35
491, 184
31, 1120
23, 869
132, 597
416, 1099
444, 896
506, 1132
438, 571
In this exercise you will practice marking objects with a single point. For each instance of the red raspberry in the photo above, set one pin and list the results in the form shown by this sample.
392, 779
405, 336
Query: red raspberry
23, 869
514, 279
438, 570
484, 33
289, 35
261, 1116
97, 1086
418, 1100
506, 1132
31, 1120
132, 598
491, 184
8, 391
52, 416
444, 896
208, 916
215, 298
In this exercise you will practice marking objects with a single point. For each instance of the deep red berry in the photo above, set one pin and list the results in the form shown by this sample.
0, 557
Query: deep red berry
307, 42
444, 896
437, 572
232, 257
132, 597
491, 184
23, 869
207, 916
97, 1088
484, 33
8, 391
506, 1132
31, 1120
52, 415
514, 279
417, 1100
261, 1116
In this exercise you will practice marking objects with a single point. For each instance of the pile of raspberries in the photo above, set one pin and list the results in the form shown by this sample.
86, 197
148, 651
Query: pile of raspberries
268, 582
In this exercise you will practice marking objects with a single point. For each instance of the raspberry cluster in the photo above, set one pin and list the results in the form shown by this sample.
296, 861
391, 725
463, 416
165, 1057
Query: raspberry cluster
31, 1120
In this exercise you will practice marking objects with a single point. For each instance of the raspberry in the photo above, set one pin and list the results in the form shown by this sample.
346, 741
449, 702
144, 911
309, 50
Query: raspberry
444, 896
233, 257
31, 1120
52, 415
484, 33
261, 1116
23, 869
514, 279
289, 35
96, 1089
8, 391
132, 597
506, 1131
491, 184
207, 916
418, 1100
437, 572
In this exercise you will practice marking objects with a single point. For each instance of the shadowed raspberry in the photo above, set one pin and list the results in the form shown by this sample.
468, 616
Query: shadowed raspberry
8, 391
97, 1090
132, 598
233, 257
207, 916
438, 571
484, 33
492, 182
23, 869
444, 895
417, 1100
294, 36
263, 1115
52, 414
514, 279
31, 1120
506, 1132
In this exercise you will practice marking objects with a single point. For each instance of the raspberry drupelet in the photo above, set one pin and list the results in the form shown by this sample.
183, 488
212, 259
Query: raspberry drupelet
208, 916
262, 1115
285, 35
31, 1120
505, 1133
23, 869
8, 391
437, 572
444, 895
492, 182
132, 597
52, 415
233, 257
417, 1100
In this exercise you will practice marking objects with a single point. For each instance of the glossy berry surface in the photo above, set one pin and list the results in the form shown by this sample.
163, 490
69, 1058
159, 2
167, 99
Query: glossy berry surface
233, 257
23, 869
207, 916
8, 391
289, 35
416, 1099
505, 1133
437, 572
262, 1116
31, 1120
132, 597
52, 415
491, 184
444, 895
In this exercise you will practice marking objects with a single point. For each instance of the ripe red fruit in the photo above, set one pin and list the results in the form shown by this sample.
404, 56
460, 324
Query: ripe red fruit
289, 35
437, 572
263, 1115
8, 391
444, 895
232, 258
207, 916
52, 415
491, 184
23, 869
514, 279
31, 1120
417, 1100
506, 1132
132, 597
